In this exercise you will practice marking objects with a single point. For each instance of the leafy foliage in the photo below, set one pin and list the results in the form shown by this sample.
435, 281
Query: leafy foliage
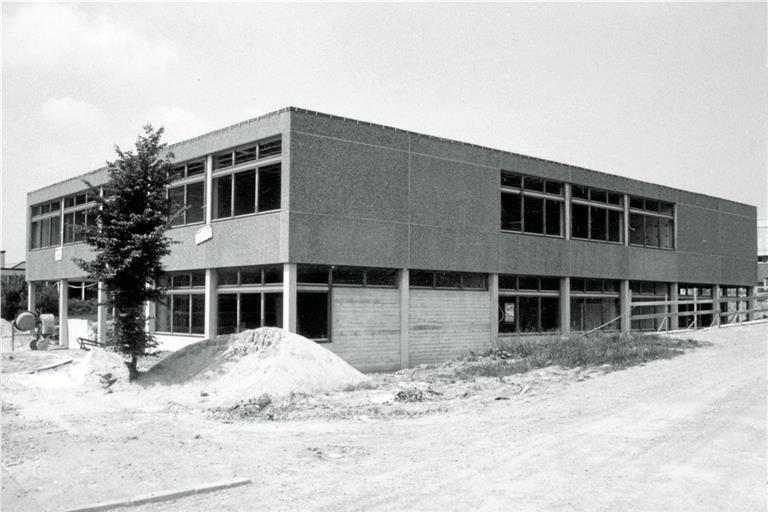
14, 297
129, 240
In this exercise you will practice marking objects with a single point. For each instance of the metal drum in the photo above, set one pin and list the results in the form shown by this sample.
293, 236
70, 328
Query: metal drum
25, 321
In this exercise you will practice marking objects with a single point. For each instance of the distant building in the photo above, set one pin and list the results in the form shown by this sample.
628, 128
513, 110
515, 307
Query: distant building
14, 270
762, 253
396, 248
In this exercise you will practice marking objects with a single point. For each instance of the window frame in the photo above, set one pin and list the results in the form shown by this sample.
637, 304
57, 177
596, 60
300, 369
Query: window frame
656, 213
232, 172
544, 195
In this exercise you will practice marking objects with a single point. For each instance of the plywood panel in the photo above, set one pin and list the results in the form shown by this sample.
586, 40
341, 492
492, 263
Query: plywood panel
444, 324
366, 327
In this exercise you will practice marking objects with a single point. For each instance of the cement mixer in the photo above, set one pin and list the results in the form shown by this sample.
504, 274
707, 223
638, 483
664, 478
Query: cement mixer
43, 327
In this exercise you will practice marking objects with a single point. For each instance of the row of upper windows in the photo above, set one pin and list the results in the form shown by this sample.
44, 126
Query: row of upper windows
534, 205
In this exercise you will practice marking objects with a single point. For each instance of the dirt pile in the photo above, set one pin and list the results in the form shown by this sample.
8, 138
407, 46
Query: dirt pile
100, 368
271, 361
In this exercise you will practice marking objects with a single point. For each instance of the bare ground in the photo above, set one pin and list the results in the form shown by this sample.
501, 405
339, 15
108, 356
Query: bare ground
687, 433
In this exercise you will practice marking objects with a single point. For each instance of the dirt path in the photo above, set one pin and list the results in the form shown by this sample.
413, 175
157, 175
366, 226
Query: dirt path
682, 434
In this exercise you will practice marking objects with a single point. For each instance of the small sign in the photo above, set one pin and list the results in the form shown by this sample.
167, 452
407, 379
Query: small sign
203, 234
58, 254
509, 312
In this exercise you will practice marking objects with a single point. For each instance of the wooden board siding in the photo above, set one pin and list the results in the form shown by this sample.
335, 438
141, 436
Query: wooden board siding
365, 328
444, 324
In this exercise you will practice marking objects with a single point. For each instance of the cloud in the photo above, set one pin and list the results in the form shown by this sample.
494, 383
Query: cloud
63, 38
179, 123
66, 112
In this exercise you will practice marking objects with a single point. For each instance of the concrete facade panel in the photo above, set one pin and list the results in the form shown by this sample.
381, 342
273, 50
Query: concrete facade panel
452, 249
41, 264
736, 233
594, 259
365, 327
697, 230
533, 255
329, 176
331, 240
346, 129
447, 150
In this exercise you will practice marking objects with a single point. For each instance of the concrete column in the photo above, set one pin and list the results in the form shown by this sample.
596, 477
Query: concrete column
31, 303
625, 299
567, 212
493, 288
289, 297
716, 305
63, 313
211, 303
565, 306
208, 189
101, 313
405, 304
674, 321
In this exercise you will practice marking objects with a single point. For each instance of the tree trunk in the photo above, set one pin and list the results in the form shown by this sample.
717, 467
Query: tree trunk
133, 371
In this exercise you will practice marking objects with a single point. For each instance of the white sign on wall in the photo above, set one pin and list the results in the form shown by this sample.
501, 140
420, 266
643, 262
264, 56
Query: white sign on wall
203, 234
57, 254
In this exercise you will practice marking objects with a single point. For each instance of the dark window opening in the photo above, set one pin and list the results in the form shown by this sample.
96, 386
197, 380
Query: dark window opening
313, 274
222, 200
269, 148
533, 219
245, 192
511, 213
580, 221
312, 315
269, 188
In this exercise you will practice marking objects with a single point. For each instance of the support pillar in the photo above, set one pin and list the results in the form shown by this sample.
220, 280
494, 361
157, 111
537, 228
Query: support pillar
211, 303
31, 302
565, 306
625, 299
289, 297
752, 304
405, 305
674, 296
63, 313
715, 305
493, 288
101, 313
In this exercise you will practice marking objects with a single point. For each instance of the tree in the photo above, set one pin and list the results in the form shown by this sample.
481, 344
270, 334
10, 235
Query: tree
14, 297
129, 240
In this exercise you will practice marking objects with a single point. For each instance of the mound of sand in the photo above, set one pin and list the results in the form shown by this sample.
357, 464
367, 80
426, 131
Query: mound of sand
100, 368
237, 367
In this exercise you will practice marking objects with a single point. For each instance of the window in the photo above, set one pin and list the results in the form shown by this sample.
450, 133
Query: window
596, 214
649, 291
312, 315
243, 276
594, 303
528, 314
182, 311
651, 223
248, 191
188, 170
45, 225
338, 275
191, 199
245, 299
247, 153
531, 205
456, 280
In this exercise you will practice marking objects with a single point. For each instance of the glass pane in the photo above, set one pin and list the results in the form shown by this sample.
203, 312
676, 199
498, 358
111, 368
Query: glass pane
176, 198
347, 275
81, 198
163, 315
198, 313
273, 274
533, 216
511, 216
55, 230
421, 278
79, 223
312, 274
474, 281
222, 197
554, 188
615, 198
533, 183
69, 224
550, 283
55, 206
272, 147
578, 284
666, 208
250, 311
550, 314
312, 315
580, 192
381, 277
598, 223
250, 275
554, 214
180, 280
195, 168
528, 283
222, 160
593, 313
577, 314
269, 188
507, 314
579, 221
180, 313
651, 205
35, 210
651, 231
610, 285
667, 233
196, 202
611, 312
636, 202
594, 285
245, 154
227, 304
273, 309
636, 235
509, 179
598, 195
198, 278
227, 276
69, 201
529, 314
447, 280
34, 235
245, 192
614, 225
507, 282
45, 229
177, 172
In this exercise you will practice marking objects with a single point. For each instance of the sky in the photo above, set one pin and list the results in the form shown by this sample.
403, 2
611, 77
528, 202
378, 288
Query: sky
675, 94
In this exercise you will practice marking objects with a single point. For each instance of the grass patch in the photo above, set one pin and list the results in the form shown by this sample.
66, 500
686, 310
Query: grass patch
524, 354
